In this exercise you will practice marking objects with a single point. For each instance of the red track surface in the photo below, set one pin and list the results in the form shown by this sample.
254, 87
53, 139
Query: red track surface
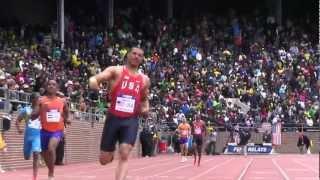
168, 167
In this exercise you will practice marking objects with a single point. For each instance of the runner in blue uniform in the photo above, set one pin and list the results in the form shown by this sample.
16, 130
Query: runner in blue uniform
32, 144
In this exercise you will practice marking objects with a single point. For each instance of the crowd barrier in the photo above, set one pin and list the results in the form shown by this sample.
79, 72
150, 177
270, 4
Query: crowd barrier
82, 142
251, 148
10, 98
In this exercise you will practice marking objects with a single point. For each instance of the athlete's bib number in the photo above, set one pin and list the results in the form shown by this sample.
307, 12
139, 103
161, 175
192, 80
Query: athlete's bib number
53, 116
197, 131
125, 104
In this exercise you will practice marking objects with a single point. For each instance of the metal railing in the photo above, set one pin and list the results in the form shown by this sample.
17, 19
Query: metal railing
90, 117
287, 127
10, 97
14, 96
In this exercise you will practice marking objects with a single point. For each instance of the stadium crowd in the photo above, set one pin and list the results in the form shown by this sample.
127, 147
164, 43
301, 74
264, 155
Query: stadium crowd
194, 65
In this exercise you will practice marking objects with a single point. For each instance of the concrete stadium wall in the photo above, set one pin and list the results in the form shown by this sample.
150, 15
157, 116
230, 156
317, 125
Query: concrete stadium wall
83, 140
82, 145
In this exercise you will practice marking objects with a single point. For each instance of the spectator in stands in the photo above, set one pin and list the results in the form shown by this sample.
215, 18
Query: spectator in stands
195, 68
176, 142
146, 140
303, 143
211, 143
267, 137
83, 106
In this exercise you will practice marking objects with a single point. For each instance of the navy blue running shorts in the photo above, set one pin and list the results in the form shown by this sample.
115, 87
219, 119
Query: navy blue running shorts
117, 129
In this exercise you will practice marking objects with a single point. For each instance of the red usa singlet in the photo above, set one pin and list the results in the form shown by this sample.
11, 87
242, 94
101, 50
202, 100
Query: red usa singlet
198, 127
126, 95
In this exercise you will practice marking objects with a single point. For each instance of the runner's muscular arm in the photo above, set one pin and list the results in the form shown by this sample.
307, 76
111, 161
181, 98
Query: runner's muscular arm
18, 121
145, 98
178, 129
66, 113
190, 130
36, 110
106, 75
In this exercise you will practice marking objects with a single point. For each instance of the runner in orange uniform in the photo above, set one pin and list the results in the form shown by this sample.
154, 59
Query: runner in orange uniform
53, 113
184, 130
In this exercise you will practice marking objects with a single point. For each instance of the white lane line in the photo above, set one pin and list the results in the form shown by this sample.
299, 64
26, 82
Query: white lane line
306, 178
298, 170
157, 164
63, 176
258, 177
210, 169
114, 164
264, 172
308, 167
245, 169
177, 168
280, 169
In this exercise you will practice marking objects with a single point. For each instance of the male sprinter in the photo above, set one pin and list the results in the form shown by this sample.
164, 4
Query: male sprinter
53, 112
32, 143
198, 131
184, 130
129, 91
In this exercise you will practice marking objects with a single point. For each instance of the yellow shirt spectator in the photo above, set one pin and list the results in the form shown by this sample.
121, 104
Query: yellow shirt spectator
199, 106
210, 128
250, 91
75, 61
123, 52
307, 56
